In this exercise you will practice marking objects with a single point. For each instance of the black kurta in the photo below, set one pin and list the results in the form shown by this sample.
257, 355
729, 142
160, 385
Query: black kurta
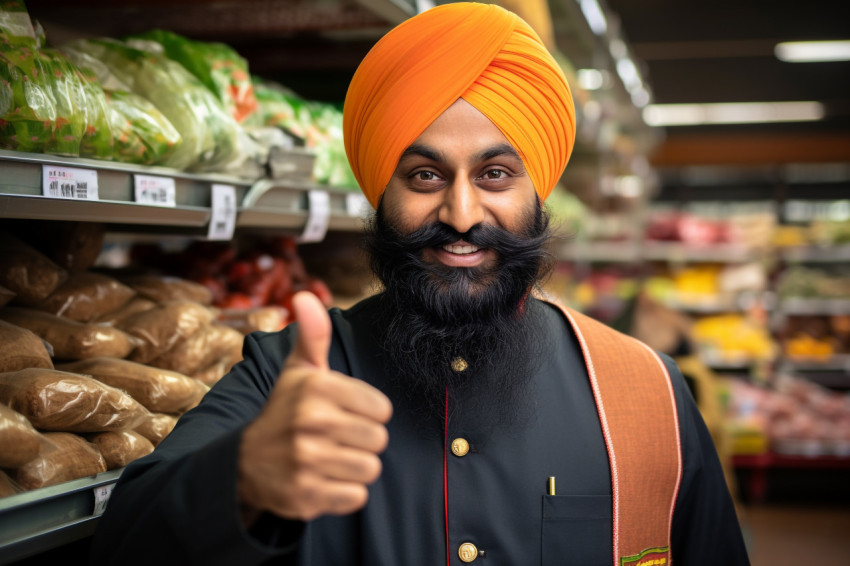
179, 505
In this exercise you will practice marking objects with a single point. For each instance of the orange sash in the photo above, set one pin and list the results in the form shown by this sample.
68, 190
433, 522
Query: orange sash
637, 410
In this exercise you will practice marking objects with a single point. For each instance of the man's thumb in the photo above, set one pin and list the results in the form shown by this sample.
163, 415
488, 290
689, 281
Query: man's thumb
313, 341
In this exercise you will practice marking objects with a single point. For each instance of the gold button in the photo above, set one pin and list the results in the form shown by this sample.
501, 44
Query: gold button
460, 447
467, 552
459, 364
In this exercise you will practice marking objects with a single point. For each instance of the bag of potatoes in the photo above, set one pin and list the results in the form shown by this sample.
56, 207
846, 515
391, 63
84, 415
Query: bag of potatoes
159, 390
60, 401
62, 457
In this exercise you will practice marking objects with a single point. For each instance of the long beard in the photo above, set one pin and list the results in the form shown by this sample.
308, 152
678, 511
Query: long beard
432, 315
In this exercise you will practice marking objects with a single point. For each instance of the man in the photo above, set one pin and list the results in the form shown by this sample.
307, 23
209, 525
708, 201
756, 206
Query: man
422, 425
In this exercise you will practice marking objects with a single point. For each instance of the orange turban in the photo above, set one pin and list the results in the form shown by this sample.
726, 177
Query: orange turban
479, 52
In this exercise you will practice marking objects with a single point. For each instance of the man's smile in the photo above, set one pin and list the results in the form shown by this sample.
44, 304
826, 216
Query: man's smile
460, 254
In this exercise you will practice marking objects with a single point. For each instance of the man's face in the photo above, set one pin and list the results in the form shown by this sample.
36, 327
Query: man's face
462, 172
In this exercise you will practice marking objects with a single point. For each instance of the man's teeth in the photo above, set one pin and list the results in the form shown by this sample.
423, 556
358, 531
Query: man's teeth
461, 250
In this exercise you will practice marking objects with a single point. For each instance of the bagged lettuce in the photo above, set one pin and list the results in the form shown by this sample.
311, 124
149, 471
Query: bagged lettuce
139, 133
209, 133
216, 65
46, 103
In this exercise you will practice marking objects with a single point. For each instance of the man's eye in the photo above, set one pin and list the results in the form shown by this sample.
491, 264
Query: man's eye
495, 174
425, 176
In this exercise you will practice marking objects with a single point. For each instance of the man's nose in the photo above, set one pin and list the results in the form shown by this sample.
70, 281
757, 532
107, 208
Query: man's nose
461, 207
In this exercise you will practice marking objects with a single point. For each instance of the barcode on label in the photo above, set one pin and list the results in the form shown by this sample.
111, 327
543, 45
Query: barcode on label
70, 183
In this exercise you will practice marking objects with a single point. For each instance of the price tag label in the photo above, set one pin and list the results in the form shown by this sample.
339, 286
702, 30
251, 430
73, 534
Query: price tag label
69, 182
319, 203
356, 205
158, 191
223, 216
101, 498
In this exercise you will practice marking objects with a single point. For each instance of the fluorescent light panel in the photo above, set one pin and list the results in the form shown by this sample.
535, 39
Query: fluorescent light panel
594, 15
731, 113
813, 51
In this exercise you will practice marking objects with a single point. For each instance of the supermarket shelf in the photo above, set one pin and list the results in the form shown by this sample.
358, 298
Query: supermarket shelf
600, 252
38, 520
266, 204
837, 363
837, 253
815, 306
714, 253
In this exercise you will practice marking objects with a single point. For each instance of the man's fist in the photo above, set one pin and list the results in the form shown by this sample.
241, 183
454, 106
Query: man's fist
314, 448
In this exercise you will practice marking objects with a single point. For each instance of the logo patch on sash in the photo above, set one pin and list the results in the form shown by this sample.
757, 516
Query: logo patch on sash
649, 557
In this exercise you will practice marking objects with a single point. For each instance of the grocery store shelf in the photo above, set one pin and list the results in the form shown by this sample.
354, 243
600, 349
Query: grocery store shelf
600, 252
821, 254
266, 204
837, 362
814, 306
714, 253
35, 521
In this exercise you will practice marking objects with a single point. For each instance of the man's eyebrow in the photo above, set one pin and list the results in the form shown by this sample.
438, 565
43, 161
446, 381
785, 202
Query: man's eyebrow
496, 151
423, 151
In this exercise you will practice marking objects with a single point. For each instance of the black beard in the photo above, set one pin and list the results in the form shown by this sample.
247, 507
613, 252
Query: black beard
430, 314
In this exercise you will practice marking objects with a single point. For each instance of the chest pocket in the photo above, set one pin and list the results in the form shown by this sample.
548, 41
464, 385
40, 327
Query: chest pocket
576, 530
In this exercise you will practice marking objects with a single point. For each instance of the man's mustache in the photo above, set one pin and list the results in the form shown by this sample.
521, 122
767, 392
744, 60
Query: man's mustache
437, 234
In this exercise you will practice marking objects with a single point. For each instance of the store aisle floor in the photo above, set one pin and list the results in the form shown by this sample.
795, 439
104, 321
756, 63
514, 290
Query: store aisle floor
786, 535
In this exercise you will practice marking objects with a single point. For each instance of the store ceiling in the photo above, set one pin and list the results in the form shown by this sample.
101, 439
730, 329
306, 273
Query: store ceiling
688, 50
723, 51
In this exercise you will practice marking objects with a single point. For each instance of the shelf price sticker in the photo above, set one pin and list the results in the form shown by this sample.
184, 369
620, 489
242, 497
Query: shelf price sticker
69, 182
101, 498
223, 214
319, 207
154, 190
356, 205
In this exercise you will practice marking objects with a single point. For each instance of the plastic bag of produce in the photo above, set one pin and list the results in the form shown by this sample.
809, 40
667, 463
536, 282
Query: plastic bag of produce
71, 340
26, 272
159, 390
86, 296
209, 132
139, 132
21, 349
15, 26
63, 457
47, 103
63, 401
18, 439
201, 349
163, 327
156, 427
119, 448
216, 65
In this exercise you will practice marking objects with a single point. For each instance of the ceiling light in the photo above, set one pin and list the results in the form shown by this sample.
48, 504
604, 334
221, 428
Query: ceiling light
731, 113
590, 79
813, 51
594, 16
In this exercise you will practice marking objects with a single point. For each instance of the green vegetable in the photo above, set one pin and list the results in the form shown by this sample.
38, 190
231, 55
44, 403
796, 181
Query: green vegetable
216, 65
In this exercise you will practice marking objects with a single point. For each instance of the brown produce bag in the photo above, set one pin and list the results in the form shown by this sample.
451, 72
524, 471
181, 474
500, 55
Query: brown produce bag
119, 448
162, 328
159, 390
8, 486
20, 349
60, 401
71, 340
246, 321
63, 457
18, 439
165, 288
156, 427
135, 305
27, 272
86, 296
201, 349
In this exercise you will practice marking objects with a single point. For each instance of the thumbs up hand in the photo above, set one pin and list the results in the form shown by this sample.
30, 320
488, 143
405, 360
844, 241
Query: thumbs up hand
314, 448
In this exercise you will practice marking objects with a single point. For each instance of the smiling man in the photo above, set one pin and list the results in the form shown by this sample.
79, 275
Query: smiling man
454, 417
